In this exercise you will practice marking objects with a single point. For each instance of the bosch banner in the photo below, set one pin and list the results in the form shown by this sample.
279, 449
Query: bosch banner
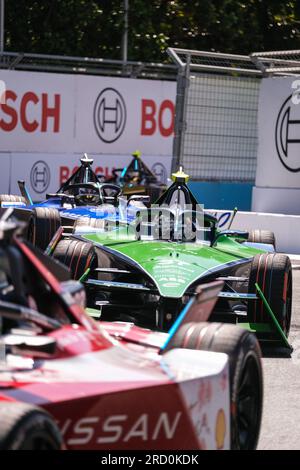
48, 120
277, 186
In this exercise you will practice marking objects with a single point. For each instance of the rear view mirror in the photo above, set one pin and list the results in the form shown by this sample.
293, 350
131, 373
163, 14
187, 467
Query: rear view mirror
242, 235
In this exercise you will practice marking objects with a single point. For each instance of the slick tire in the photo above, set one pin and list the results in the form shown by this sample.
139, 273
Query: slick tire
78, 256
11, 198
273, 273
27, 427
245, 374
43, 223
262, 236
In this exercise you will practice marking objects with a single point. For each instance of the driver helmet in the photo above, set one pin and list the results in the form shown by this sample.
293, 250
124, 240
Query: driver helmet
87, 197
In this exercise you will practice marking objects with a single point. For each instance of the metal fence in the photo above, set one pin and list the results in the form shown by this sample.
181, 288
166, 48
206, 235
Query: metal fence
216, 103
216, 115
277, 62
86, 65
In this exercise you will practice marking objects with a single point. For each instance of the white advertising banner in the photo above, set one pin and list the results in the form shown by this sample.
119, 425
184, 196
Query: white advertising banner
278, 161
119, 115
49, 120
39, 112
73, 113
46, 173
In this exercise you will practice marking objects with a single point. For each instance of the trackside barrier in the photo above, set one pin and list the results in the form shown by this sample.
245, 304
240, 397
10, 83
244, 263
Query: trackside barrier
285, 227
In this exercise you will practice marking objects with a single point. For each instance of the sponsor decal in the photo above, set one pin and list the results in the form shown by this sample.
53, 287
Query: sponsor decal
65, 172
220, 430
109, 115
223, 219
287, 134
157, 118
160, 172
32, 112
115, 428
40, 176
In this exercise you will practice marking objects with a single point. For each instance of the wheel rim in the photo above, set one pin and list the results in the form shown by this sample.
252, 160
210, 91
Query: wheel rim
248, 405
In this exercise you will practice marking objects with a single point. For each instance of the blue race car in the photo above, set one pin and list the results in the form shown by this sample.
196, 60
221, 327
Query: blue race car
83, 200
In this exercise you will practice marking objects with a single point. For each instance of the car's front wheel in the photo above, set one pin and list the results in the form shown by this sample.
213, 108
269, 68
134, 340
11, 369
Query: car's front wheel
273, 274
77, 255
245, 370
27, 427
43, 223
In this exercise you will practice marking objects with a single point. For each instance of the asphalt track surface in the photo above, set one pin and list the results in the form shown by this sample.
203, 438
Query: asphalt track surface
281, 415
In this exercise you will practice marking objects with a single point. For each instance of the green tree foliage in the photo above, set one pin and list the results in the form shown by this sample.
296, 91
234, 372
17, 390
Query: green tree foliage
94, 28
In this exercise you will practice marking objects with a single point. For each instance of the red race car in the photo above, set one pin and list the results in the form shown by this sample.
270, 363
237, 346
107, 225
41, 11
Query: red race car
67, 381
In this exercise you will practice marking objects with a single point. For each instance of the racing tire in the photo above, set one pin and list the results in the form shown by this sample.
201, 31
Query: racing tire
273, 273
12, 199
43, 223
262, 236
245, 374
77, 255
27, 427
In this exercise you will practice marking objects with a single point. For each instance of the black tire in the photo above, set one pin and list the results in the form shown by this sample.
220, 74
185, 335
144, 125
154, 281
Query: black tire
12, 198
245, 370
43, 223
78, 256
27, 427
262, 236
273, 273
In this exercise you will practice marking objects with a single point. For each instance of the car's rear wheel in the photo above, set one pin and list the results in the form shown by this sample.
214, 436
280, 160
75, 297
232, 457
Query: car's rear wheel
273, 274
77, 255
27, 427
245, 369
12, 199
262, 236
43, 223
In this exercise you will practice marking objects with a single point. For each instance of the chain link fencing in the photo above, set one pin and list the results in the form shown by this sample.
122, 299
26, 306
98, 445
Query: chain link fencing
86, 65
216, 103
216, 115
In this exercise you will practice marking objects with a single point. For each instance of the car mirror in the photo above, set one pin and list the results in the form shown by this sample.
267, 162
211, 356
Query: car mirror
242, 235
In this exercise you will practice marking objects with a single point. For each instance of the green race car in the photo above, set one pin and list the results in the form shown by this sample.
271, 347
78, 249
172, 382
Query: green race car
148, 270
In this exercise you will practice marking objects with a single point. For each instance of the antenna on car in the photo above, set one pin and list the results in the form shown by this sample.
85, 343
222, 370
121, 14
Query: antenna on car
86, 161
233, 216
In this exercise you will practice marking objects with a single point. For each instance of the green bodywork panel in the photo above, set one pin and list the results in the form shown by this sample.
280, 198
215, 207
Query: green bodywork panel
257, 327
173, 266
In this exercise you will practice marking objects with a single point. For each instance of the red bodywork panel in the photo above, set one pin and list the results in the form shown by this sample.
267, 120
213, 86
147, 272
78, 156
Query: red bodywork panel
108, 388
